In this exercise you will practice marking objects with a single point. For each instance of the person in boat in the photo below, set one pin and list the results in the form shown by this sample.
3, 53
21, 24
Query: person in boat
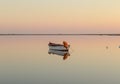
65, 44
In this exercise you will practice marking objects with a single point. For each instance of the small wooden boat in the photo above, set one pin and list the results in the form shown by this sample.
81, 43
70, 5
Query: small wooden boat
61, 47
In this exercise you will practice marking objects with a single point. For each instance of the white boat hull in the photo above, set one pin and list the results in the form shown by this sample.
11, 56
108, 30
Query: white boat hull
62, 48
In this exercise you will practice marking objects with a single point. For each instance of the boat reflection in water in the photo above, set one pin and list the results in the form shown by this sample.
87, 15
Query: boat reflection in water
63, 53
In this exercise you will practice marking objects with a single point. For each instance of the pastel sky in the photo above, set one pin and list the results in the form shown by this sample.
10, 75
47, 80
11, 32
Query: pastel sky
59, 16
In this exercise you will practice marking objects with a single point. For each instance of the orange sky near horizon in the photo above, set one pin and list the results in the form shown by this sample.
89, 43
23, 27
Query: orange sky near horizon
65, 16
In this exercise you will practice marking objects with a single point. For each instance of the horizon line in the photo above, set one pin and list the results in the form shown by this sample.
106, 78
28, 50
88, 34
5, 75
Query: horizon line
28, 34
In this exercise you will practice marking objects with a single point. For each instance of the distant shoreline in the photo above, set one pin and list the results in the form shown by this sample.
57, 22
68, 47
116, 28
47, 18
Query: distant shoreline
59, 34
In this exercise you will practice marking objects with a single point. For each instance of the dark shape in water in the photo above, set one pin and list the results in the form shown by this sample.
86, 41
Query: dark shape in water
119, 46
106, 47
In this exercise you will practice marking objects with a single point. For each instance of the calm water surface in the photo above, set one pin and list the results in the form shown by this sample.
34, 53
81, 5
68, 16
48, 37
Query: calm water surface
92, 60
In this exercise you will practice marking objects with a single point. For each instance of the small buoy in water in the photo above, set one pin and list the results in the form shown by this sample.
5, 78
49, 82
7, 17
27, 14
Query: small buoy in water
106, 47
119, 46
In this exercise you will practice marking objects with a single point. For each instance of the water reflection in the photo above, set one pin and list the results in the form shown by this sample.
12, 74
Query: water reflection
65, 54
